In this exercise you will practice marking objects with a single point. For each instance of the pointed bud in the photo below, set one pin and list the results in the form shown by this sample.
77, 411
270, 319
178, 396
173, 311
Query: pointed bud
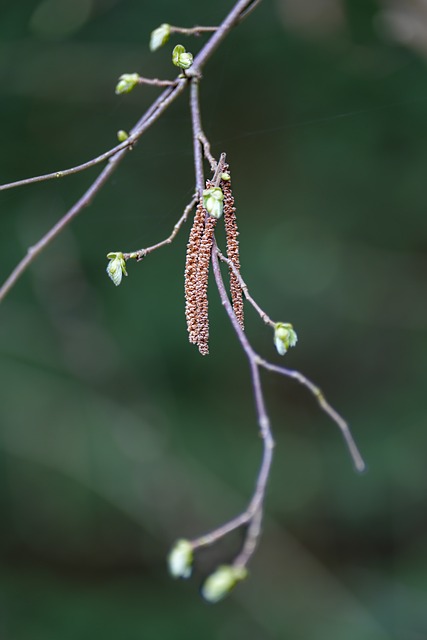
284, 337
122, 135
213, 201
126, 83
116, 267
221, 582
180, 559
182, 58
160, 36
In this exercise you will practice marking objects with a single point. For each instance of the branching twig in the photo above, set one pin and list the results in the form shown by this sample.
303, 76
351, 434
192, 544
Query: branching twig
252, 516
202, 250
153, 113
115, 157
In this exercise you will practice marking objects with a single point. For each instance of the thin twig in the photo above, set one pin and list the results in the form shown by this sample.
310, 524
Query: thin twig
253, 5
197, 130
324, 405
156, 82
263, 315
141, 253
192, 31
129, 142
207, 150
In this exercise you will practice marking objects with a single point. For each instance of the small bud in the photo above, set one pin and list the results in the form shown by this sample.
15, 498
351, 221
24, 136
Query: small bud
284, 337
213, 201
180, 559
182, 58
122, 135
127, 82
116, 267
159, 36
221, 582
225, 176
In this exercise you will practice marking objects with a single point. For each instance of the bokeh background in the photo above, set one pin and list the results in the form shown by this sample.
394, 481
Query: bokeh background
116, 437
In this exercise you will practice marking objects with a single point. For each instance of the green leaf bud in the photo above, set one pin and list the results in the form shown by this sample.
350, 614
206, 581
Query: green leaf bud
122, 135
182, 58
159, 36
221, 582
127, 82
180, 559
213, 201
225, 176
116, 267
284, 337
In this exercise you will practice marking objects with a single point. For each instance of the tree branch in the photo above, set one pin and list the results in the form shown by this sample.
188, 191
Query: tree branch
117, 154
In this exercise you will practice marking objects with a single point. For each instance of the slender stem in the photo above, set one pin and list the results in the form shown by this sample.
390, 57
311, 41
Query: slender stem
229, 22
193, 31
67, 172
325, 406
141, 253
207, 150
197, 129
253, 5
156, 82
263, 315
127, 144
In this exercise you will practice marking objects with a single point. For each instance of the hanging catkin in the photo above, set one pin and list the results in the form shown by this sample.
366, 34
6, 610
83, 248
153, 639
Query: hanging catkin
202, 285
193, 248
232, 233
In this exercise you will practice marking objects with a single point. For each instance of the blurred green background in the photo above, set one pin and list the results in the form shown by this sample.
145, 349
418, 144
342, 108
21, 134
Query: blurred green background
116, 437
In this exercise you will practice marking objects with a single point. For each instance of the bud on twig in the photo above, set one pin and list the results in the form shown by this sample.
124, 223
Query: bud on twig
159, 36
116, 267
122, 135
213, 201
284, 337
182, 58
221, 582
127, 82
180, 559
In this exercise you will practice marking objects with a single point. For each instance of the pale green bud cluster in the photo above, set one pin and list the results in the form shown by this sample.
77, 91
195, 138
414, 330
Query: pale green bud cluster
180, 559
127, 82
160, 36
182, 58
213, 201
116, 267
221, 582
284, 337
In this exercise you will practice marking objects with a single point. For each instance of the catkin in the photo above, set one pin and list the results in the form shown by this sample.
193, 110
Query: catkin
202, 285
191, 264
232, 233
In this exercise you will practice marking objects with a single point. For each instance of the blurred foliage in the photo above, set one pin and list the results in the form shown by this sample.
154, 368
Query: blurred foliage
116, 437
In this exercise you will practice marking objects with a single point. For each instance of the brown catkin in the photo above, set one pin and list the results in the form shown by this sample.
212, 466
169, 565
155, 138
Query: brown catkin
202, 285
191, 265
232, 233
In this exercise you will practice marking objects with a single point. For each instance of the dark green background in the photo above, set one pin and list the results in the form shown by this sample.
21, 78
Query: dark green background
116, 437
